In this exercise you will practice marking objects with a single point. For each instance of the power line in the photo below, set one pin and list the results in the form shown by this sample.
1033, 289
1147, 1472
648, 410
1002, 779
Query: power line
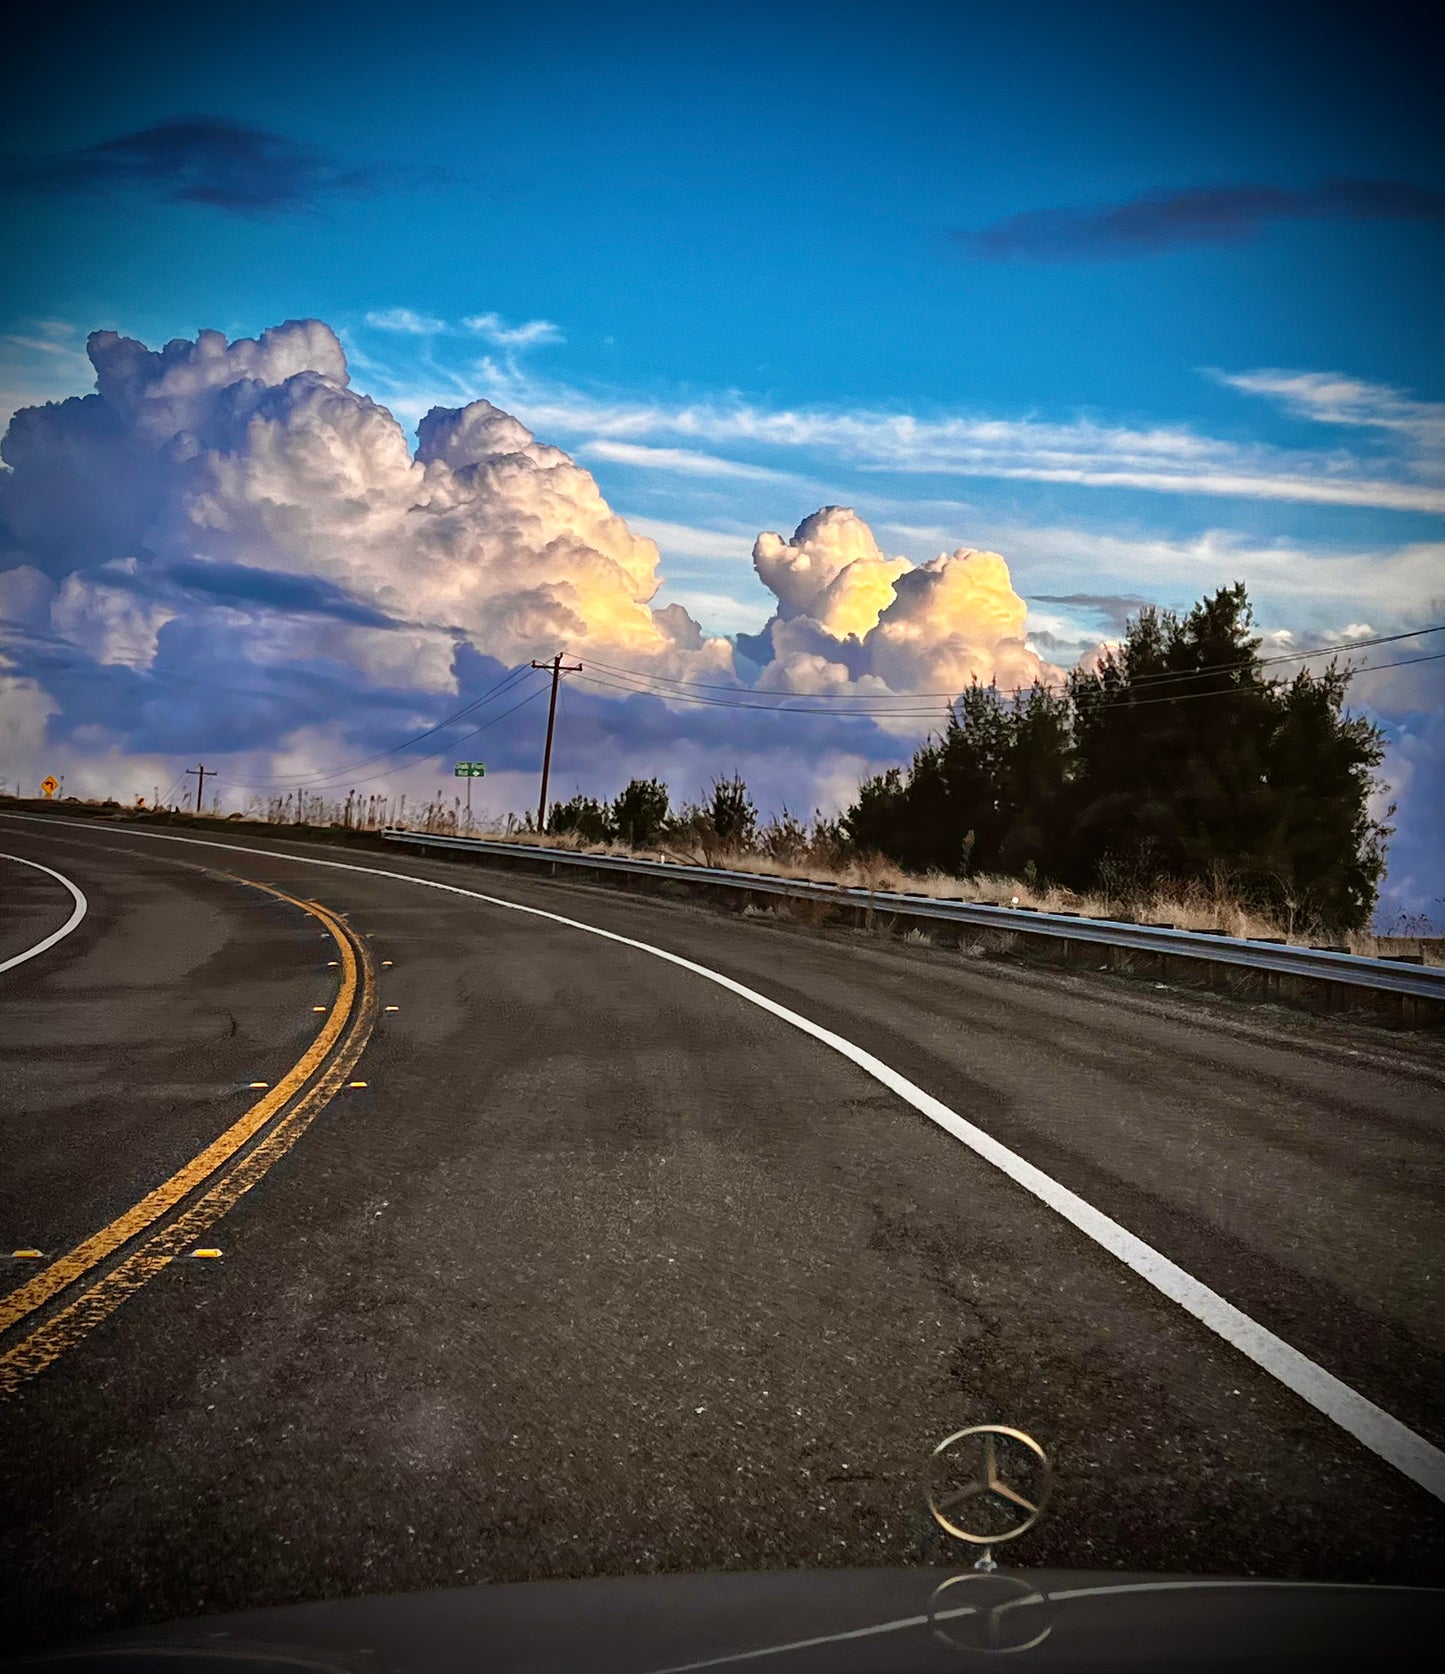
451, 743
1246, 691
1162, 676
280, 781
787, 708
917, 713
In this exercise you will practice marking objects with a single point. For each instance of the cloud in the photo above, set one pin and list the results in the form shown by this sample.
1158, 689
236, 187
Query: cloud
227, 547
1334, 398
681, 459
851, 618
691, 542
524, 336
1312, 587
257, 455
1168, 459
406, 321
1114, 608
1166, 219
239, 507
1414, 771
202, 159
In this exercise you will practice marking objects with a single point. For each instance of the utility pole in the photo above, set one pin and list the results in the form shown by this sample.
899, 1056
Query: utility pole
557, 672
199, 773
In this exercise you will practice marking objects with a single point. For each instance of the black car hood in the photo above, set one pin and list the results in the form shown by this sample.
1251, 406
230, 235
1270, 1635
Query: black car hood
884, 1621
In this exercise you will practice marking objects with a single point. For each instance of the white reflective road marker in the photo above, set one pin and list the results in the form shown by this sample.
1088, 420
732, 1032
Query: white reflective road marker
80, 907
1370, 1425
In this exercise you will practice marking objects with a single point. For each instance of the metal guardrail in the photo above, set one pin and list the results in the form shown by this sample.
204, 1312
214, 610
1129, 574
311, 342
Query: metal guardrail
1320, 964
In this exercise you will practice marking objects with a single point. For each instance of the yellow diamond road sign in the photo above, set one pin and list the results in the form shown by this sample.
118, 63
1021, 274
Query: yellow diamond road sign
49, 784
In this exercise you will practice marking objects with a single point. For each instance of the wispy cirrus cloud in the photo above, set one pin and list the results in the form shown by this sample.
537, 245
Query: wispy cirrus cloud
1168, 459
1334, 398
405, 321
524, 336
491, 327
211, 160
1168, 219
683, 460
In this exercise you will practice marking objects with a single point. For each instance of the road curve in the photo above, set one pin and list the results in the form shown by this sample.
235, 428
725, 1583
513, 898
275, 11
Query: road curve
607, 1269
22, 907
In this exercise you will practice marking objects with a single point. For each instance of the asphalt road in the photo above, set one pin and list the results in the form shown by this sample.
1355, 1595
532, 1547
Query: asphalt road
607, 1270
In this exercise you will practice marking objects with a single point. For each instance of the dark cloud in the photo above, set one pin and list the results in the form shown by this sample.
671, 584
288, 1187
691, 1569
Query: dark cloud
293, 595
1165, 220
1115, 609
202, 159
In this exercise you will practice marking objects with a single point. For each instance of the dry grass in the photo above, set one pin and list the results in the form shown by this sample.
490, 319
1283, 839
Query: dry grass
1196, 907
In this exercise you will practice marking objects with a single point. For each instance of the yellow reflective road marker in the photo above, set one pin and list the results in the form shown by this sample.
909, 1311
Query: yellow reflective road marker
205, 1255
27, 1255
356, 1084
393, 1008
160, 1249
257, 1086
318, 1008
95, 1249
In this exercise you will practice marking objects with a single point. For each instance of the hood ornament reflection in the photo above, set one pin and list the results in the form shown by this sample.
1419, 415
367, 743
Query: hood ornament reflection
987, 1485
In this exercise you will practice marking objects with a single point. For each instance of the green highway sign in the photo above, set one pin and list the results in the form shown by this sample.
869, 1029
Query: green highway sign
470, 770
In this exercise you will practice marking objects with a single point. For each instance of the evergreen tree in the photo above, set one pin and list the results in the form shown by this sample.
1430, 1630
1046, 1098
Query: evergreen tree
1323, 853
1175, 759
1171, 736
1034, 782
732, 814
878, 821
640, 814
583, 817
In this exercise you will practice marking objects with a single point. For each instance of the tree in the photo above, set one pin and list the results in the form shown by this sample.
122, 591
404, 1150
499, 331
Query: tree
730, 809
1171, 733
1033, 786
1323, 852
978, 798
640, 814
878, 822
582, 817
785, 837
1176, 758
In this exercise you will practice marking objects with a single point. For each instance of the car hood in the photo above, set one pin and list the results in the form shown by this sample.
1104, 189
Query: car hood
884, 1621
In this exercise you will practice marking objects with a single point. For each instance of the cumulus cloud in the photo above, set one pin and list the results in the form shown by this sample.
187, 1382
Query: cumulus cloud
1169, 219
202, 159
227, 546
1414, 774
257, 456
848, 614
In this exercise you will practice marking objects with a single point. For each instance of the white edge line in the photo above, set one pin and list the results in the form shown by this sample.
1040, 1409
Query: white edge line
1369, 1424
81, 905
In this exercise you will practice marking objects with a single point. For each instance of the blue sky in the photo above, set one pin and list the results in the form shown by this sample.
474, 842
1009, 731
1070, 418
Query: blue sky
1155, 290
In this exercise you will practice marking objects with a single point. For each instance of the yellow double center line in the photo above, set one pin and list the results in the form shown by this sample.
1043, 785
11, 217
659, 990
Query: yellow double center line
316, 1077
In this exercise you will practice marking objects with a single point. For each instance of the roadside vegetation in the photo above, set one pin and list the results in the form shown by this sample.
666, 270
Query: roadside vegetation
1176, 782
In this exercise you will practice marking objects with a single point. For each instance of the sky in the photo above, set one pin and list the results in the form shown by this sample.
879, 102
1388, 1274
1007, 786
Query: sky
1142, 300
